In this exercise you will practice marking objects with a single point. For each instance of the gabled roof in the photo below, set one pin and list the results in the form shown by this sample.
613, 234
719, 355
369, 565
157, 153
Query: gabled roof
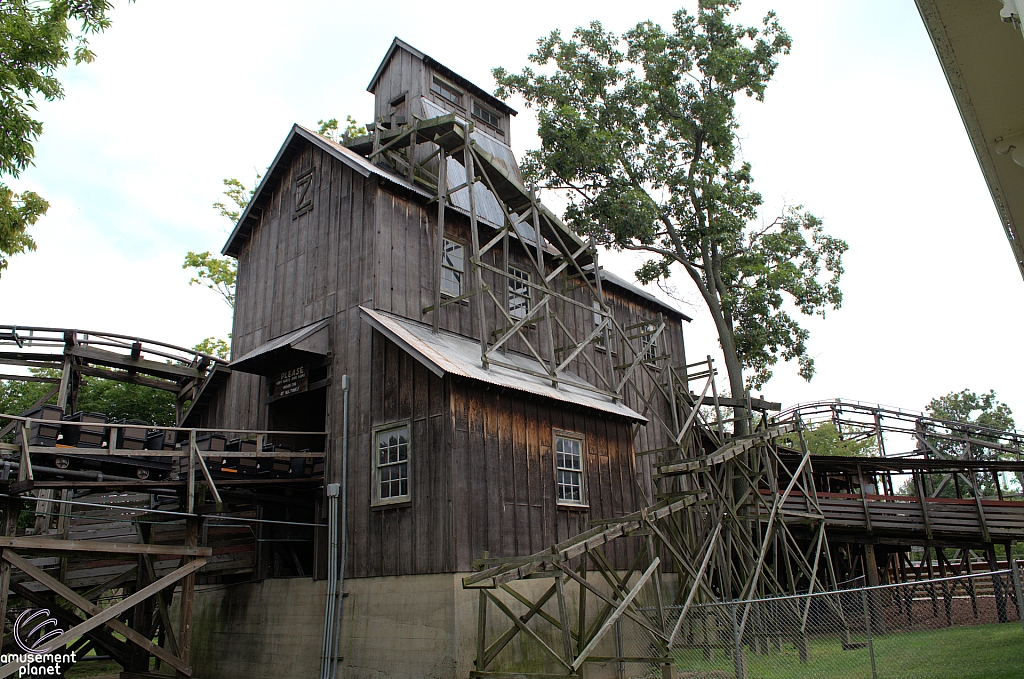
446, 352
443, 70
297, 137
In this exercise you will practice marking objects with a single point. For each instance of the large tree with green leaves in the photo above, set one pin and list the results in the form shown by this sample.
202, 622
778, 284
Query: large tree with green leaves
37, 37
981, 410
640, 132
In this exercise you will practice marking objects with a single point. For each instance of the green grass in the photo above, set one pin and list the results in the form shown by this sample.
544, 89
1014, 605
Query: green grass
974, 652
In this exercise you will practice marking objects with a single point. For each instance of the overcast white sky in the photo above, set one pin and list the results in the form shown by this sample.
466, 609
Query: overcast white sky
859, 127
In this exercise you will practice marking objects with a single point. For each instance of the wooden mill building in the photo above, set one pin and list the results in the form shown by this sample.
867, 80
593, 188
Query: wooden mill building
494, 383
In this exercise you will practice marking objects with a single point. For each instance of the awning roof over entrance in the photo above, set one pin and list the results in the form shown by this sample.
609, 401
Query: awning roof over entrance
287, 351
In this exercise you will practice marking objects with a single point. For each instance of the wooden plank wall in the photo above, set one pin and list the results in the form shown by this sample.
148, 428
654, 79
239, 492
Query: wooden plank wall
504, 476
404, 73
414, 537
362, 245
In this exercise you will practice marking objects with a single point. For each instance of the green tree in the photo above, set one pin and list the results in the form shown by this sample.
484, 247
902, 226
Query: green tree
112, 398
330, 129
37, 38
214, 346
216, 273
825, 439
975, 410
640, 131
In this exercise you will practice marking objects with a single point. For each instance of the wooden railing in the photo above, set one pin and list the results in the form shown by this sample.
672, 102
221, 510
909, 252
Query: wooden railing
988, 520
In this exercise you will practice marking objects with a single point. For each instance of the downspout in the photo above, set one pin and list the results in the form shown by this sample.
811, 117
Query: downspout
340, 590
332, 579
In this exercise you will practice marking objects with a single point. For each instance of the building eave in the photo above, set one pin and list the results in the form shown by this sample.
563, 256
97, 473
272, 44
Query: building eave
983, 60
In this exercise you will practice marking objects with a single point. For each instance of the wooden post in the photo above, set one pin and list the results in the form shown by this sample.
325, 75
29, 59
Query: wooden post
871, 577
998, 586
442, 198
142, 615
8, 525
188, 591
467, 155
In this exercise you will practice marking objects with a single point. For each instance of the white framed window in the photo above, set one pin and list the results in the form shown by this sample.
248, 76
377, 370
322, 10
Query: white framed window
598, 317
391, 464
447, 92
453, 268
651, 354
487, 116
569, 469
518, 293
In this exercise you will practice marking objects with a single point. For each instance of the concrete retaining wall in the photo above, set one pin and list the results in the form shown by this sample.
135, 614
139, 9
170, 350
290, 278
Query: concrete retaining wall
398, 627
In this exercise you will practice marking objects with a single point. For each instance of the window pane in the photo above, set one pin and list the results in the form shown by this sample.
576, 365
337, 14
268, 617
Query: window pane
452, 266
445, 91
569, 472
392, 465
518, 293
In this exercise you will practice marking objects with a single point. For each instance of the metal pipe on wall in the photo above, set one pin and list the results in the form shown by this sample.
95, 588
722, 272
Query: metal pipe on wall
340, 592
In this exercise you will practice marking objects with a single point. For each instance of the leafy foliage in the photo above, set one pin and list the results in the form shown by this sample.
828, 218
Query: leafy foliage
216, 273
238, 195
975, 410
824, 439
982, 410
214, 346
640, 131
36, 39
330, 129
112, 398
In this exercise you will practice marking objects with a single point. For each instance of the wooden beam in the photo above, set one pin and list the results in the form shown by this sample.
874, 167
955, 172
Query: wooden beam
92, 609
188, 590
142, 365
164, 385
95, 546
109, 613
30, 378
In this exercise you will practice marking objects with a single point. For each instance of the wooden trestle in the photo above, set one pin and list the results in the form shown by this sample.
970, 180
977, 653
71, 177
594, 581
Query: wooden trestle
105, 551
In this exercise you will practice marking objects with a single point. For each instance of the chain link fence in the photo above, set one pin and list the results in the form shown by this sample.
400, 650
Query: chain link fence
965, 626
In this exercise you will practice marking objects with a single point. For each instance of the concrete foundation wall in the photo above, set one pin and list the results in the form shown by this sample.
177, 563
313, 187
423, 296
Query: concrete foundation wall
272, 628
396, 627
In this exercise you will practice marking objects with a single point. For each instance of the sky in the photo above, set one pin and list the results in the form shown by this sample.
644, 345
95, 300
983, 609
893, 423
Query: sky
858, 126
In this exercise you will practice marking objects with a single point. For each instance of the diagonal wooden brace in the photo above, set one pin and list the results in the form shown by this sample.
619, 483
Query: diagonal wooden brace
107, 616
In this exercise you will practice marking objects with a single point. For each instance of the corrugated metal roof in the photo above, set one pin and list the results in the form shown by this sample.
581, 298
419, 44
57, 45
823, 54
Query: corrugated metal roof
294, 346
456, 355
487, 206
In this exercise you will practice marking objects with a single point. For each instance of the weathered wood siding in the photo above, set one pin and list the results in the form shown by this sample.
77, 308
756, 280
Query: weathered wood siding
482, 465
503, 472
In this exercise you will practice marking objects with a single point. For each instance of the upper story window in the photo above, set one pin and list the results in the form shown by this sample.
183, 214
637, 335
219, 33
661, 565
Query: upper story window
598, 317
446, 91
569, 469
486, 115
453, 267
648, 339
391, 464
518, 293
